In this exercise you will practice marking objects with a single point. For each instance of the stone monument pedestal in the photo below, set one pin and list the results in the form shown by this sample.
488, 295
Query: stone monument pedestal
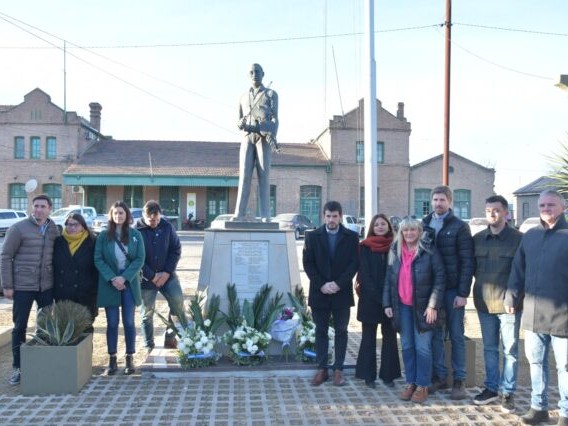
249, 258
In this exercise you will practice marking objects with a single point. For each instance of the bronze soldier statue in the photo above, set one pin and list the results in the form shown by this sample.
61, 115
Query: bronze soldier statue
258, 118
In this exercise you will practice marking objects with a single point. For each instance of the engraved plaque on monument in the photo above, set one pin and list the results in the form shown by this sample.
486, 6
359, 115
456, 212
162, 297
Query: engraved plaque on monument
249, 267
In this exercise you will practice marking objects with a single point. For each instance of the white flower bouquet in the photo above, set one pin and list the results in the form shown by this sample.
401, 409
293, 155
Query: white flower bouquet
283, 328
246, 344
196, 347
306, 341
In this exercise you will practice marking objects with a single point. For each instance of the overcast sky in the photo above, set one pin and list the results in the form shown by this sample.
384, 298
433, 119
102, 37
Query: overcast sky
174, 70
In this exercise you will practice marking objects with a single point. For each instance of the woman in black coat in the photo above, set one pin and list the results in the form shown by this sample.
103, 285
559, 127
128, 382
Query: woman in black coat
75, 276
412, 295
370, 281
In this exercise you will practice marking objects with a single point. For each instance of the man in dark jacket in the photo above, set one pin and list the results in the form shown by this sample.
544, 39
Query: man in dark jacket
330, 261
452, 238
27, 270
495, 248
163, 251
538, 286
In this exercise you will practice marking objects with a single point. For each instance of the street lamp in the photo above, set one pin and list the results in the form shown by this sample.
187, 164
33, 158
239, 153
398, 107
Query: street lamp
563, 83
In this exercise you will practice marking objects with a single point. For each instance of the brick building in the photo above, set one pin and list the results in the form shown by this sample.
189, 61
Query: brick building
72, 161
39, 141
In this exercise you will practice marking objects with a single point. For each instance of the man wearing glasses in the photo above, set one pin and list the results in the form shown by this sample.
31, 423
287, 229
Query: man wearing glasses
27, 271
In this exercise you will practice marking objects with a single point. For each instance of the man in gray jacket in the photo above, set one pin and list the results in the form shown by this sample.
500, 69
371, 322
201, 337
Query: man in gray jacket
27, 271
539, 281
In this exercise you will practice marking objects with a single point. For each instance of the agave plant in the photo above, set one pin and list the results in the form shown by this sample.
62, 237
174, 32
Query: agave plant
62, 323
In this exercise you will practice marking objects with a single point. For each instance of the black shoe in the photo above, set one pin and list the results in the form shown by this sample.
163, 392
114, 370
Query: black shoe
508, 404
370, 383
112, 366
485, 397
534, 417
388, 384
129, 369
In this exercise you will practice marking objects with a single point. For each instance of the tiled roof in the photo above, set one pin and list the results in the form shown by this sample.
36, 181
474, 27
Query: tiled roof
452, 154
180, 158
537, 186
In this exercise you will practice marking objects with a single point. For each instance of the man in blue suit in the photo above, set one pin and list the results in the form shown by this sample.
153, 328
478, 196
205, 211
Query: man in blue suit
330, 259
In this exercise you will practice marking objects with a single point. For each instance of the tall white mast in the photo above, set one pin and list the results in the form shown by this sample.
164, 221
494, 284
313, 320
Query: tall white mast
370, 115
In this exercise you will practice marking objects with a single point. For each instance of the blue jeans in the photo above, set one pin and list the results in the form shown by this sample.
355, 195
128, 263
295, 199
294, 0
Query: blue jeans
21, 308
455, 326
173, 294
112, 314
416, 349
506, 325
537, 346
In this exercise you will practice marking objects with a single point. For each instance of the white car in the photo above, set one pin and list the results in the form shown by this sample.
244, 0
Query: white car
529, 223
477, 224
8, 217
101, 221
59, 216
351, 222
219, 221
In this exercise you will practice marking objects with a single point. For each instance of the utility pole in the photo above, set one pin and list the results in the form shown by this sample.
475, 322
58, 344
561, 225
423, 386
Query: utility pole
446, 157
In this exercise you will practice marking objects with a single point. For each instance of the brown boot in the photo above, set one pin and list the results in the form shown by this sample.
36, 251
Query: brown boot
170, 342
420, 394
407, 392
320, 377
338, 379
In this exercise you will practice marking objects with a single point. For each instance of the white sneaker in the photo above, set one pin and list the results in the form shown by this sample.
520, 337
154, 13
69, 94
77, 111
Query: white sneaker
15, 377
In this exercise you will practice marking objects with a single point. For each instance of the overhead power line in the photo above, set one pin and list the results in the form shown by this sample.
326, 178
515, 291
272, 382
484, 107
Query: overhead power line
516, 30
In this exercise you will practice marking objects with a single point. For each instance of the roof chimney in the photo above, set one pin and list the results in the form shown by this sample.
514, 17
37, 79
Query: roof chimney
96, 115
400, 111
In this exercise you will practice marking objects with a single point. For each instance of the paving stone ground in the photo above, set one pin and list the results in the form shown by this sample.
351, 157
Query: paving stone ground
259, 398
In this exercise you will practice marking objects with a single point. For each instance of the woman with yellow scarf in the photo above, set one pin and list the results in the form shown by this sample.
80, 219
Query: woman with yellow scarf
75, 276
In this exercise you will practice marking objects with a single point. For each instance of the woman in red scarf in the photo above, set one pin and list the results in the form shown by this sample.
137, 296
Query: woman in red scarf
370, 280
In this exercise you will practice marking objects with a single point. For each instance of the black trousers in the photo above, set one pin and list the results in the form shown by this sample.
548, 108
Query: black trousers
366, 367
340, 322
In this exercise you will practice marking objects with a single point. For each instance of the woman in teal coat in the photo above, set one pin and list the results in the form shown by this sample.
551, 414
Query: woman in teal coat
119, 256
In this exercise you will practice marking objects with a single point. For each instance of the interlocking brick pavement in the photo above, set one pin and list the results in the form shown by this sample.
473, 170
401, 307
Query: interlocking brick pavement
122, 400
282, 397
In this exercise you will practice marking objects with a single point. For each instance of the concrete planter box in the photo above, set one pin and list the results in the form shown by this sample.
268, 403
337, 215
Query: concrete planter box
56, 369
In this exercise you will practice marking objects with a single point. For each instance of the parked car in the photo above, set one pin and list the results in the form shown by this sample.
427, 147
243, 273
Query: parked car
477, 224
395, 222
59, 216
219, 221
529, 223
101, 221
8, 217
297, 222
351, 222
